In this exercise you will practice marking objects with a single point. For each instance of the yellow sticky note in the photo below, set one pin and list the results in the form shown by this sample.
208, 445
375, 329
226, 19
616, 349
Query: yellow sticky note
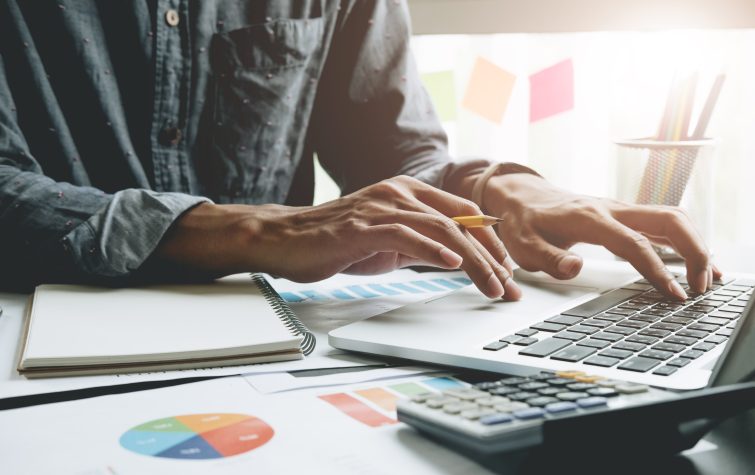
442, 91
489, 90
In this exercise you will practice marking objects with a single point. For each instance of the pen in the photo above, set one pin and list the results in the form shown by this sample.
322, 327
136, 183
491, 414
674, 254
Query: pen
479, 221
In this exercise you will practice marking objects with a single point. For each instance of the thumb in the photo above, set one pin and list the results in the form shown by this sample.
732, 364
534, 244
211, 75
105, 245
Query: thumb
540, 255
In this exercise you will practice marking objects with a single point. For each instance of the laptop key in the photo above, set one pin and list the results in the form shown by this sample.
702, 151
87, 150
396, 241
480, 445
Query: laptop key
632, 324
665, 370
672, 327
681, 340
629, 346
679, 362
639, 364
564, 320
573, 353
614, 353
678, 320
511, 339
545, 347
658, 312
591, 342
610, 317
621, 311
672, 347
657, 354
654, 332
645, 318
643, 339
548, 327
568, 335
703, 327
583, 329
602, 303
689, 314
724, 314
612, 337
594, 322
603, 361
620, 330
692, 354
495, 346
525, 341
692, 333
715, 339
726, 332
704, 346
714, 321
527, 332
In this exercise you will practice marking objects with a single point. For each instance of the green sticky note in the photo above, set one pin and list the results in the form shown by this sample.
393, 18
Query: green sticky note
441, 88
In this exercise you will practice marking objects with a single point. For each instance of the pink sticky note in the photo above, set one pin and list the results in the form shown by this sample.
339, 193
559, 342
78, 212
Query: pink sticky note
489, 90
552, 90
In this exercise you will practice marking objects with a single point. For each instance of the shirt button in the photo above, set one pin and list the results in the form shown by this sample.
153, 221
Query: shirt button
170, 136
171, 17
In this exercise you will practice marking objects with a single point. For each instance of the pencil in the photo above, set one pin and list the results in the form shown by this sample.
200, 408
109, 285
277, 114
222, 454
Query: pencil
479, 221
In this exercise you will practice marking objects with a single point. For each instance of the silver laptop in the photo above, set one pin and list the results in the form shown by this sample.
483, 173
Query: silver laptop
608, 321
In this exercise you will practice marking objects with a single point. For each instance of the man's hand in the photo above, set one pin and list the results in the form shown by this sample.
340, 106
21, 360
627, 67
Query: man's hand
541, 222
392, 224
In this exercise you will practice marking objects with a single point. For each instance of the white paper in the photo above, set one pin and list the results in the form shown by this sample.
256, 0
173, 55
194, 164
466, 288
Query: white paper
279, 382
320, 316
310, 436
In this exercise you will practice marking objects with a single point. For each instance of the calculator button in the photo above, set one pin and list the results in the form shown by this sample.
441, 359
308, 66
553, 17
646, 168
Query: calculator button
631, 388
510, 406
569, 374
580, 386
588, 378
521, 396
595, 401
541, 401
437, 403
549, 391
457, 407
422, 397
602, 392
502, 391
610, 383
513, 381
529, 413
560, 381
473, 414
571, 396
465, 394
532, 386
494, 419
559, 407
491, 401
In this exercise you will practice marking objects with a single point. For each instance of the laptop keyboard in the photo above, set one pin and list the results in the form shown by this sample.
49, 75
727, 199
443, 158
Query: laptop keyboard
636, 328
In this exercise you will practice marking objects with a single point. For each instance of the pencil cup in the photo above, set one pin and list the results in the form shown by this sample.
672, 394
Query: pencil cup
669, 173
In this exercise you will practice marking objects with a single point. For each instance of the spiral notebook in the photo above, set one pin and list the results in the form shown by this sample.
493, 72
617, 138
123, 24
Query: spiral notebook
78, 330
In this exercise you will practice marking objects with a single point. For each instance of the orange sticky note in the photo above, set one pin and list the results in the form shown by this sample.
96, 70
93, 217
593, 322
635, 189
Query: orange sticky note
489, 90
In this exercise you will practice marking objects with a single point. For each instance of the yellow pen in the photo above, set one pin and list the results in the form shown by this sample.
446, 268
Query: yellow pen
479, 221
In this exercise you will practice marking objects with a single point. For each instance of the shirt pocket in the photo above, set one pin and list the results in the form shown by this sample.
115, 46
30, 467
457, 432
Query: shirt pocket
260, 75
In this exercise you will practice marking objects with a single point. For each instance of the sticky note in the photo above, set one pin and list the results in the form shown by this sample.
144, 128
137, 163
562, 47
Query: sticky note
552, 90
489, 90
442, 91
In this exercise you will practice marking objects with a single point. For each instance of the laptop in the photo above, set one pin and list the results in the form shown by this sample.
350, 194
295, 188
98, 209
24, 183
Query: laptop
608, 322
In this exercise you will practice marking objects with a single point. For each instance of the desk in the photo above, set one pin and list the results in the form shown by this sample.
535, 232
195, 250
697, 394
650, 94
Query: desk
733, 437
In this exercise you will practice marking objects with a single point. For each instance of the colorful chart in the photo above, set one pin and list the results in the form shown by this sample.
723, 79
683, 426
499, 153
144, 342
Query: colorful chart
369, 291
376, 407
198, 436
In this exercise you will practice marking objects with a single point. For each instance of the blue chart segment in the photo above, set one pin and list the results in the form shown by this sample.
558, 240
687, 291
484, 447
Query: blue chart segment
369, 291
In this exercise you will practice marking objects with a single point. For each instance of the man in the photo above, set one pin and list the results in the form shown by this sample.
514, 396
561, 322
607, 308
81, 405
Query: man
149, 139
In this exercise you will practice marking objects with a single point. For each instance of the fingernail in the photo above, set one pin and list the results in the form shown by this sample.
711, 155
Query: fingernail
676, 289
513, 291
509, 262
450, 257
495, 288
702, 282
569, 266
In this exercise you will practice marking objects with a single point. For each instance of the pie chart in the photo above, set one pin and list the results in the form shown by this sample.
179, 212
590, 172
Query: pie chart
198, 436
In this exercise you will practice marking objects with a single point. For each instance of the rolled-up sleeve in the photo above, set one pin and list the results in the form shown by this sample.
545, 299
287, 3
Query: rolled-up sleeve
373, 118
52, 231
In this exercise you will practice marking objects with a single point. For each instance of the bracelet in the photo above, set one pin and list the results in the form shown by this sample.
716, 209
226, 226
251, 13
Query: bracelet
496, 169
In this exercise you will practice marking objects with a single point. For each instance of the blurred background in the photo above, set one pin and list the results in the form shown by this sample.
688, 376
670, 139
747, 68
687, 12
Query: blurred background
554, 85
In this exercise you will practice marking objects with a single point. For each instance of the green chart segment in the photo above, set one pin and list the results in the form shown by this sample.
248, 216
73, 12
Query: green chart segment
198, 436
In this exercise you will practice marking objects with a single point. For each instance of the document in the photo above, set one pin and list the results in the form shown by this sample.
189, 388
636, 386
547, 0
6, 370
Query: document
223, 426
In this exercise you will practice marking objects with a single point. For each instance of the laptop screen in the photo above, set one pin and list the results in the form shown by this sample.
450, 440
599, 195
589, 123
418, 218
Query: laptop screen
737, 362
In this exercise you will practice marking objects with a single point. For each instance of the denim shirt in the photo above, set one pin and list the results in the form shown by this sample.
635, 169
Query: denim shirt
118, 116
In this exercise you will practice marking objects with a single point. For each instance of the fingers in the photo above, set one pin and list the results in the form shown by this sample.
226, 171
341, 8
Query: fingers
408, 242
535, 254
636, 248
487, 274
673, 225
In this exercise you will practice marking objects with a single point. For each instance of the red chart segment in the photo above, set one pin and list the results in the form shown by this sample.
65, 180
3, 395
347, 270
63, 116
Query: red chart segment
198, 436
358, 410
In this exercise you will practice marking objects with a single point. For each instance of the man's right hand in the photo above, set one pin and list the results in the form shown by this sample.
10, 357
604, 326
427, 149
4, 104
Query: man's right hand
392, 224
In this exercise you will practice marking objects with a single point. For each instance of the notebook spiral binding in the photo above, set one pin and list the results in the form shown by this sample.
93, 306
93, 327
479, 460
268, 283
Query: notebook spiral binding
285, 313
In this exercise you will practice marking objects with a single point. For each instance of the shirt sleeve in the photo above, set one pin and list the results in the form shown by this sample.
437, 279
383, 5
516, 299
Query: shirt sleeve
373, 118
54, 231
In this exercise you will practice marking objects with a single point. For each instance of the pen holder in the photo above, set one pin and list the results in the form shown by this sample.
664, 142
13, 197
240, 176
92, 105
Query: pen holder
678, 173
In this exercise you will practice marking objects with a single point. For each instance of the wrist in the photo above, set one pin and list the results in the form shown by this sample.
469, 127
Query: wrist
502, 193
